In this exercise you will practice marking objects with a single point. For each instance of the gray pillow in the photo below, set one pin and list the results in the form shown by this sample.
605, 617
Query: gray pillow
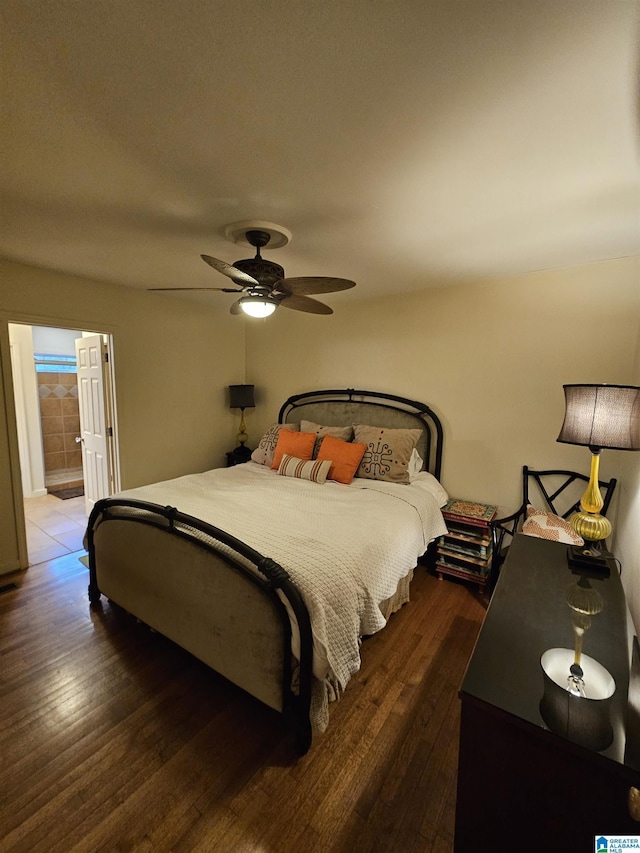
344, 433
388, 452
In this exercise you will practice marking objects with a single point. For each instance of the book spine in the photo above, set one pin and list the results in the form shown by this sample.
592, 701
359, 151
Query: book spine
475, 522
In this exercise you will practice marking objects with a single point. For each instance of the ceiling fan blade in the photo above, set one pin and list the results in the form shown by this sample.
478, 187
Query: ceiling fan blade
229, 270
236, 308
313, 284
222, 289
303, 303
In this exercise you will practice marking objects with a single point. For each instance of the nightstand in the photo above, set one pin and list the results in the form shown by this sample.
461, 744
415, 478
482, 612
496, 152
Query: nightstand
238, 455
466, 550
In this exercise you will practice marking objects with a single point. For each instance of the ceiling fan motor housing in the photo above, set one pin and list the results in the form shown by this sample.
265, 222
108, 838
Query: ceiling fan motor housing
266, 272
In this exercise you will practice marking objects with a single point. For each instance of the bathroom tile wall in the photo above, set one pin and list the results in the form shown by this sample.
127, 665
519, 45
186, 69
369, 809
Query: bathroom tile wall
60, 418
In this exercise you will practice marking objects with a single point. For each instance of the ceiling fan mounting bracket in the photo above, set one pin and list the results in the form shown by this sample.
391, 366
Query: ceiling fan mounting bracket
259, 239
237, 232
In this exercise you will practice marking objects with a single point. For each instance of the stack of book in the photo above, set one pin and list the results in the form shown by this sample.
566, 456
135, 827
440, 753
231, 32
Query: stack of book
466, 551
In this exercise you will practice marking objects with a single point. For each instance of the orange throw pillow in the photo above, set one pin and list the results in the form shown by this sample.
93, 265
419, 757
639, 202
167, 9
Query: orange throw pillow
299, 444
345, 456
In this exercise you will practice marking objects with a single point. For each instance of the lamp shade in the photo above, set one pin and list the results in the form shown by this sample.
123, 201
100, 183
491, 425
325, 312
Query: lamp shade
602, 416
241, 397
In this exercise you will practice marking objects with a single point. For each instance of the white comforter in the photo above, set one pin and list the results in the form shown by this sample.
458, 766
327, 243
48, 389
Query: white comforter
345, 547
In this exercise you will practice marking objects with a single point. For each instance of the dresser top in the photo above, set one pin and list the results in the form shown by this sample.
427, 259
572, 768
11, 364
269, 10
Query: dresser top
529, 615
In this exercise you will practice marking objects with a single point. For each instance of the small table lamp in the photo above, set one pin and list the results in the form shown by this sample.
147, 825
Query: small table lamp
241, 397
599, 417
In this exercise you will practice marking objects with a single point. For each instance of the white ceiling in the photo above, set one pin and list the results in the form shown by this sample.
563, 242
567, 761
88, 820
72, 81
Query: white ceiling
404, 143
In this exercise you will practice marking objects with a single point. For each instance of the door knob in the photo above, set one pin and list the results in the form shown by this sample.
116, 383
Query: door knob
79, 439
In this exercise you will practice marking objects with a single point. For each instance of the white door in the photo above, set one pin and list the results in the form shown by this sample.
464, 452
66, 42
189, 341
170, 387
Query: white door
90, 354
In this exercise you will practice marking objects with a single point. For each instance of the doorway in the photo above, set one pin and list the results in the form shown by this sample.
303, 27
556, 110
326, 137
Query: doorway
50, 444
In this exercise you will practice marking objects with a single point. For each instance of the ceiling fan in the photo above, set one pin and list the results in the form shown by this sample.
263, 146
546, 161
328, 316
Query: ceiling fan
263, 284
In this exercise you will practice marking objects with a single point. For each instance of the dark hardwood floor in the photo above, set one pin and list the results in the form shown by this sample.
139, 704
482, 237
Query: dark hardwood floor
113, 738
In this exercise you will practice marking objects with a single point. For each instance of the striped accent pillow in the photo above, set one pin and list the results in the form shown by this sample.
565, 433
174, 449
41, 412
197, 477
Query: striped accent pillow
312, 469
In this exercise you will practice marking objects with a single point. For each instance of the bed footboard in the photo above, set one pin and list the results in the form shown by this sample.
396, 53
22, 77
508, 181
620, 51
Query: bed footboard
214, 596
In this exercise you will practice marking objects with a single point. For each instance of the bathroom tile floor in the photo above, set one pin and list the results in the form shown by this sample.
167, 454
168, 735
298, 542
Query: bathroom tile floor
54, 527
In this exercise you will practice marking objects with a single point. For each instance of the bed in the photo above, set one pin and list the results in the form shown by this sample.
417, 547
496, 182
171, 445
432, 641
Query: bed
273, 580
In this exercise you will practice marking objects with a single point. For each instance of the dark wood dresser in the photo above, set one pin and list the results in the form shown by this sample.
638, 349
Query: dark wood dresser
521, 786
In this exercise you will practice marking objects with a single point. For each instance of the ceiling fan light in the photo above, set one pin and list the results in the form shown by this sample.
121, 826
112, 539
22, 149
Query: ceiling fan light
258, 306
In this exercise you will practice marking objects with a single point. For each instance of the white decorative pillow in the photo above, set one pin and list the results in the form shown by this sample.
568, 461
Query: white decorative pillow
343, 433
546, 525
263, 454
388, 452
415, 463
311, 469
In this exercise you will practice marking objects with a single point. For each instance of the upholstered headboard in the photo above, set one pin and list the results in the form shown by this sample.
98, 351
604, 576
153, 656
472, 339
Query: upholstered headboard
349, 406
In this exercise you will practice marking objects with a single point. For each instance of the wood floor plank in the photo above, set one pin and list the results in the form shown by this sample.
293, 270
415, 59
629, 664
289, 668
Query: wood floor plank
113, 738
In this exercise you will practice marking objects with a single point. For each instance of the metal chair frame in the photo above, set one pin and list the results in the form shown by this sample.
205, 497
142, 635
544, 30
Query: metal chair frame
510, 524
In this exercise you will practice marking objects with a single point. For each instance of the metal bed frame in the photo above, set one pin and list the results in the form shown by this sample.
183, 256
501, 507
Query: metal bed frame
259, 572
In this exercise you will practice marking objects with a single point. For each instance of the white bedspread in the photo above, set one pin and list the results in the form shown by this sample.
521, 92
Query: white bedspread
345, 547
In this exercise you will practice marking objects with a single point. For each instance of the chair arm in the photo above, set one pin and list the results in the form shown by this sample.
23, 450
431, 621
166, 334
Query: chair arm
508, 524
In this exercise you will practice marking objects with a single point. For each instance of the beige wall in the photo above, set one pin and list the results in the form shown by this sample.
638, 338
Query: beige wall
628, 530
173, 360
491, 359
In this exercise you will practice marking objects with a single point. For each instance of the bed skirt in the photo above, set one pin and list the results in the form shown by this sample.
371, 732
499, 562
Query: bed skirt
324, 692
